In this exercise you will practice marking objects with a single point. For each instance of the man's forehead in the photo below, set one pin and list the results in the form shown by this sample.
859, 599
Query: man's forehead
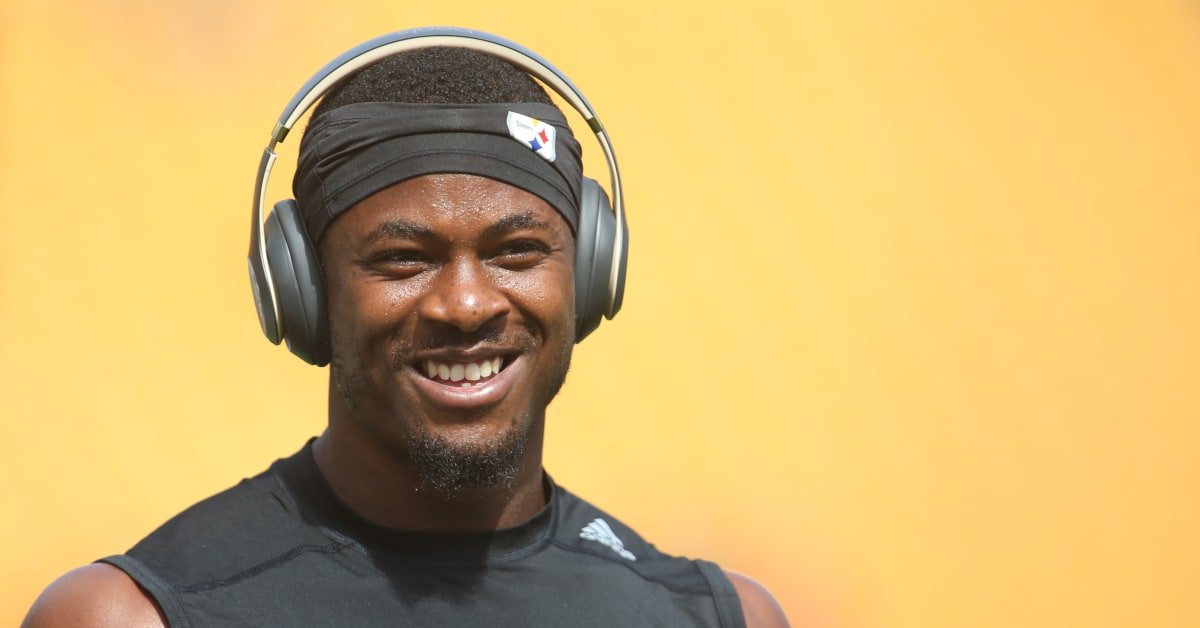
426, 206
417, 230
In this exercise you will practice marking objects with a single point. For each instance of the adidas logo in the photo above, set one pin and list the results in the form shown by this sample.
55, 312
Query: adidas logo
599, 532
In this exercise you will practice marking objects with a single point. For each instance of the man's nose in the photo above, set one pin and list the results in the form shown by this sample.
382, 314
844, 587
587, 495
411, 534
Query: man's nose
465, 296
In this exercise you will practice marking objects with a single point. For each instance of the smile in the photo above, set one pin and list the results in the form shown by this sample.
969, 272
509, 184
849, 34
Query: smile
468, 382
466, 374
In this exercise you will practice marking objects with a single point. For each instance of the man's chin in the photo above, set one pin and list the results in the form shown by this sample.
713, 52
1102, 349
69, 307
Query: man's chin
451, 468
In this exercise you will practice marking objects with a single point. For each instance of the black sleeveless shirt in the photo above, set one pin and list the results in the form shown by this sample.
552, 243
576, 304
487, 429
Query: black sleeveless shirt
279, 549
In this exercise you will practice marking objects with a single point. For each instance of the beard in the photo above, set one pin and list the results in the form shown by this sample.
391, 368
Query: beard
448, 468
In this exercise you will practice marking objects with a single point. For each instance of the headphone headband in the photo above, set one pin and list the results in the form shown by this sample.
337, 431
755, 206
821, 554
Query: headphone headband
371, 51
265, 293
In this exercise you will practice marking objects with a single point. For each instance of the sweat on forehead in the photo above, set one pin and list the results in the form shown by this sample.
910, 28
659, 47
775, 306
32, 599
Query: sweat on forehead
354, 151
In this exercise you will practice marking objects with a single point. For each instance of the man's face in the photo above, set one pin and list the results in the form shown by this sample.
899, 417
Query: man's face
451, 309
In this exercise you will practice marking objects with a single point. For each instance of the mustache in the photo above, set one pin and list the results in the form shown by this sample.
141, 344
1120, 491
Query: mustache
510, 341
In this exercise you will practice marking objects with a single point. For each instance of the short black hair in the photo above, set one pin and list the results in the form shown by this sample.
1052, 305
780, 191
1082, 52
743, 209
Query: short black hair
436, 75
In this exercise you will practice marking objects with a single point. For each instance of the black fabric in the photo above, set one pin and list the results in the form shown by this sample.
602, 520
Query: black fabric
353, 151
280, 549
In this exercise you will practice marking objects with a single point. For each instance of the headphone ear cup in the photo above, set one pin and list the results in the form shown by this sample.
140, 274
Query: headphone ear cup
299, 284
594, 241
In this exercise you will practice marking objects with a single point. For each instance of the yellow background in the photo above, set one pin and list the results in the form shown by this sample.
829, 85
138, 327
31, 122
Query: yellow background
911, 333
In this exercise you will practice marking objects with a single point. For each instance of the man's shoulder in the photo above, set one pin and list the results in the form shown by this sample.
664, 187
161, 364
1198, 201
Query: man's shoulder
191, 544
759, 608
241, 526
94, 596
587, 530
244, 507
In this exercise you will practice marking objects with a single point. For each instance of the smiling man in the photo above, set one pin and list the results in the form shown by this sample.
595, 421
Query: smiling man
441, 193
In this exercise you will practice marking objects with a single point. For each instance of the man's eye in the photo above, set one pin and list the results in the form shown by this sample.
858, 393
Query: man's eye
400, 256
522, 253
402, 261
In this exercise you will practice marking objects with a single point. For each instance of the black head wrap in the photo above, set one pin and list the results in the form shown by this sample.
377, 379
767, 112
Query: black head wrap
354, 151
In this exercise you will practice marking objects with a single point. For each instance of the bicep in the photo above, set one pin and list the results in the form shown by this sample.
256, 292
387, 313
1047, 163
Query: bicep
94, 596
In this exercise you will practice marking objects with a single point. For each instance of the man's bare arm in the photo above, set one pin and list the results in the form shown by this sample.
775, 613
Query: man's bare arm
94, 596
758, 605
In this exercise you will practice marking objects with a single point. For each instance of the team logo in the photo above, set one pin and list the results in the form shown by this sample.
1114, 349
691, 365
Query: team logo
534, 133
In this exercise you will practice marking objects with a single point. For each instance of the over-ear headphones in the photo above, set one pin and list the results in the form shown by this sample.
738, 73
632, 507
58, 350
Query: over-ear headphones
285, 273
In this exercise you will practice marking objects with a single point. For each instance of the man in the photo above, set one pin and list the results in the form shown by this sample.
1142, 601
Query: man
447, 253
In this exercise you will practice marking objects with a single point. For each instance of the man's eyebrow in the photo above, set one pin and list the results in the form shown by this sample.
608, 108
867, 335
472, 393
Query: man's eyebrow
399, 229
514, 222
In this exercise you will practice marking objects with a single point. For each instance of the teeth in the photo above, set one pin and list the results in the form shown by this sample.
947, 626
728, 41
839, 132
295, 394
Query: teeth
463, 371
